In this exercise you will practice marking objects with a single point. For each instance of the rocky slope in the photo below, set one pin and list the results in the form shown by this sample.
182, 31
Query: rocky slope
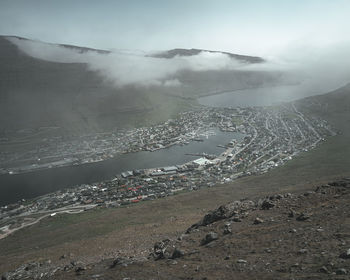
282, 236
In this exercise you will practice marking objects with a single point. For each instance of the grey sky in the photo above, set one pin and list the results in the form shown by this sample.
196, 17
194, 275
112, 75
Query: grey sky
254, 27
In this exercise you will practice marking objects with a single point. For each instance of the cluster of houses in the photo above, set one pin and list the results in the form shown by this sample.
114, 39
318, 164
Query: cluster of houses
273, 136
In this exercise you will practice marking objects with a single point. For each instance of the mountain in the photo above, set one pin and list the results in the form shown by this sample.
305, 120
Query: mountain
37, 93
190, 52
71, 47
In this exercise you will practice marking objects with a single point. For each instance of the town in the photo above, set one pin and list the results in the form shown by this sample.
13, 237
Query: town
272, 136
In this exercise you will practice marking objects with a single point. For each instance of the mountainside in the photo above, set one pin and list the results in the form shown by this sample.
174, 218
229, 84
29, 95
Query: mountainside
279, 236
302, 231
72, 47
275, 237
36, 93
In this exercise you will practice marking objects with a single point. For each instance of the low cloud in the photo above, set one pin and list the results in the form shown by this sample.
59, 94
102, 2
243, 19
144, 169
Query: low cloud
126, 68
319, 68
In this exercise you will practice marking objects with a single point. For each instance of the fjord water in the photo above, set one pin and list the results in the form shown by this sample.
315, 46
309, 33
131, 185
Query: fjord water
263, 96
28, 185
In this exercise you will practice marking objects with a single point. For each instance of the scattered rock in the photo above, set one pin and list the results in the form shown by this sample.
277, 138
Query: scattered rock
241, 261
282, 269
302, 251
177, 253
258, 221
308, 193
122, 262
223, 212
31, 266
116, 262
227, 228
267, 204
160, 249
303, 217
324, 269
345, 255
79, 266
292, 213
220, 213
340, 183
211, 236
341, 271
182, 236
216, 215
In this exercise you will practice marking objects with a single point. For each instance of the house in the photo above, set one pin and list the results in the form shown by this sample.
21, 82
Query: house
127, 174
202, 161
169, 169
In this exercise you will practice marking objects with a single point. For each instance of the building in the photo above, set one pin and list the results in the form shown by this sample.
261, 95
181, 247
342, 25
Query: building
202, 161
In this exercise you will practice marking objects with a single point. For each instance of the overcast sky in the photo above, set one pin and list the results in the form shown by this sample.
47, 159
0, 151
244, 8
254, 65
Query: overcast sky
255, 27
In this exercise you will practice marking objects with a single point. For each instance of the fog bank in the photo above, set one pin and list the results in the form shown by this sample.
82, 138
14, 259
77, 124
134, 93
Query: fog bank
125, 67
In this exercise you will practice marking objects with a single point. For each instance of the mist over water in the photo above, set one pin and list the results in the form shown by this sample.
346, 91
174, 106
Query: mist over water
263, 96
313, 70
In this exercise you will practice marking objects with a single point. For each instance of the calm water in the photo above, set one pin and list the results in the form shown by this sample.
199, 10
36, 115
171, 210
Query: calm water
263, 96
28, 185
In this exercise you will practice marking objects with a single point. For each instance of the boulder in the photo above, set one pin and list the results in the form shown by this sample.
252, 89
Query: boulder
160, 249
218, 214
211, 236
324, 269
227, 228
345, 255
177, 253
267, 204
79, 266
121, 261
341, 271
303, 217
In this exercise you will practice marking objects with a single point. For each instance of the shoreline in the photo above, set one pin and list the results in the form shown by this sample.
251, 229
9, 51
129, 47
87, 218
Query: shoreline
242, 89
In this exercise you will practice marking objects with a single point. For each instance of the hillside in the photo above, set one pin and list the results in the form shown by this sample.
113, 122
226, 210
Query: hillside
71, 47
126, 235
35, 93
276, 237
